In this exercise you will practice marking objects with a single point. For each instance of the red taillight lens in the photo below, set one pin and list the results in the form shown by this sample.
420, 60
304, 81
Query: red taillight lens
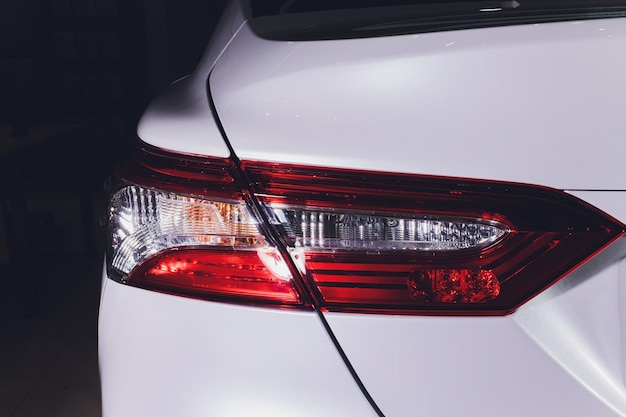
405, 244
344, 240
218, 273
181, 225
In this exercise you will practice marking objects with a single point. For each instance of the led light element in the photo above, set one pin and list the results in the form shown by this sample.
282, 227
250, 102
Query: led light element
329, 229
453, 286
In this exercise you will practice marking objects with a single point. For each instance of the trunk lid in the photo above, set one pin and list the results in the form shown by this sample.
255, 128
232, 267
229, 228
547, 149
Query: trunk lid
529, 103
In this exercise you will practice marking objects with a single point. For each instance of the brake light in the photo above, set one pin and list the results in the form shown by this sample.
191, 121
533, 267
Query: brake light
343, 240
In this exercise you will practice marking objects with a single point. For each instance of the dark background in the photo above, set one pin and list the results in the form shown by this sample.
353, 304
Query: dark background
75, 76
82, 60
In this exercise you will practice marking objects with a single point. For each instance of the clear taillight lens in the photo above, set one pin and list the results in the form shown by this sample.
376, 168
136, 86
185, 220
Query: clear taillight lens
146, 221
187, 230
341, 240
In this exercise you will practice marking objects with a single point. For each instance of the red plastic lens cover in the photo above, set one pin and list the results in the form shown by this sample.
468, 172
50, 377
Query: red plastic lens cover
534, 237
550, 233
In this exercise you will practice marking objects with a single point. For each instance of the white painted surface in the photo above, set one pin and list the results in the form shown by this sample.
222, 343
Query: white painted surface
540, 104
162, 355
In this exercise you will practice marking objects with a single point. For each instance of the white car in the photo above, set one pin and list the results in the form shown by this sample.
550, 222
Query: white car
378, 208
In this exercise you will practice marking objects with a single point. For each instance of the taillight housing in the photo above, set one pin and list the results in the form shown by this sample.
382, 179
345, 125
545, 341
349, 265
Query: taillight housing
344, 240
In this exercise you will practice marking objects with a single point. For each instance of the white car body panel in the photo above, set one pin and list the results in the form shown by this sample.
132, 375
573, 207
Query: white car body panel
180, 119
173, 356
508, 104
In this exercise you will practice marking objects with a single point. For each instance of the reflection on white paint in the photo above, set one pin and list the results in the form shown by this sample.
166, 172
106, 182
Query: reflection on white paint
580, 329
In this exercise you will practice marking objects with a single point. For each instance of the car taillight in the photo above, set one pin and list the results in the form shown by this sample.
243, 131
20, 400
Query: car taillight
344, 240
179, 224
411, 244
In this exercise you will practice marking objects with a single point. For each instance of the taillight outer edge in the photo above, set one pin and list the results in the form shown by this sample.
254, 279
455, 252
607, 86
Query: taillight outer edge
262, 184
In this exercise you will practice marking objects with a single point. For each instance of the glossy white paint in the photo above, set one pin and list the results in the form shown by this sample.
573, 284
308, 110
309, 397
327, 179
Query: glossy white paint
180, 119
516, 103
162, 355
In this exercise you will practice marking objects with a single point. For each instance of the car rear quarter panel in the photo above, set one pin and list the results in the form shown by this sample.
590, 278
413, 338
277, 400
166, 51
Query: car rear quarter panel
164, 355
